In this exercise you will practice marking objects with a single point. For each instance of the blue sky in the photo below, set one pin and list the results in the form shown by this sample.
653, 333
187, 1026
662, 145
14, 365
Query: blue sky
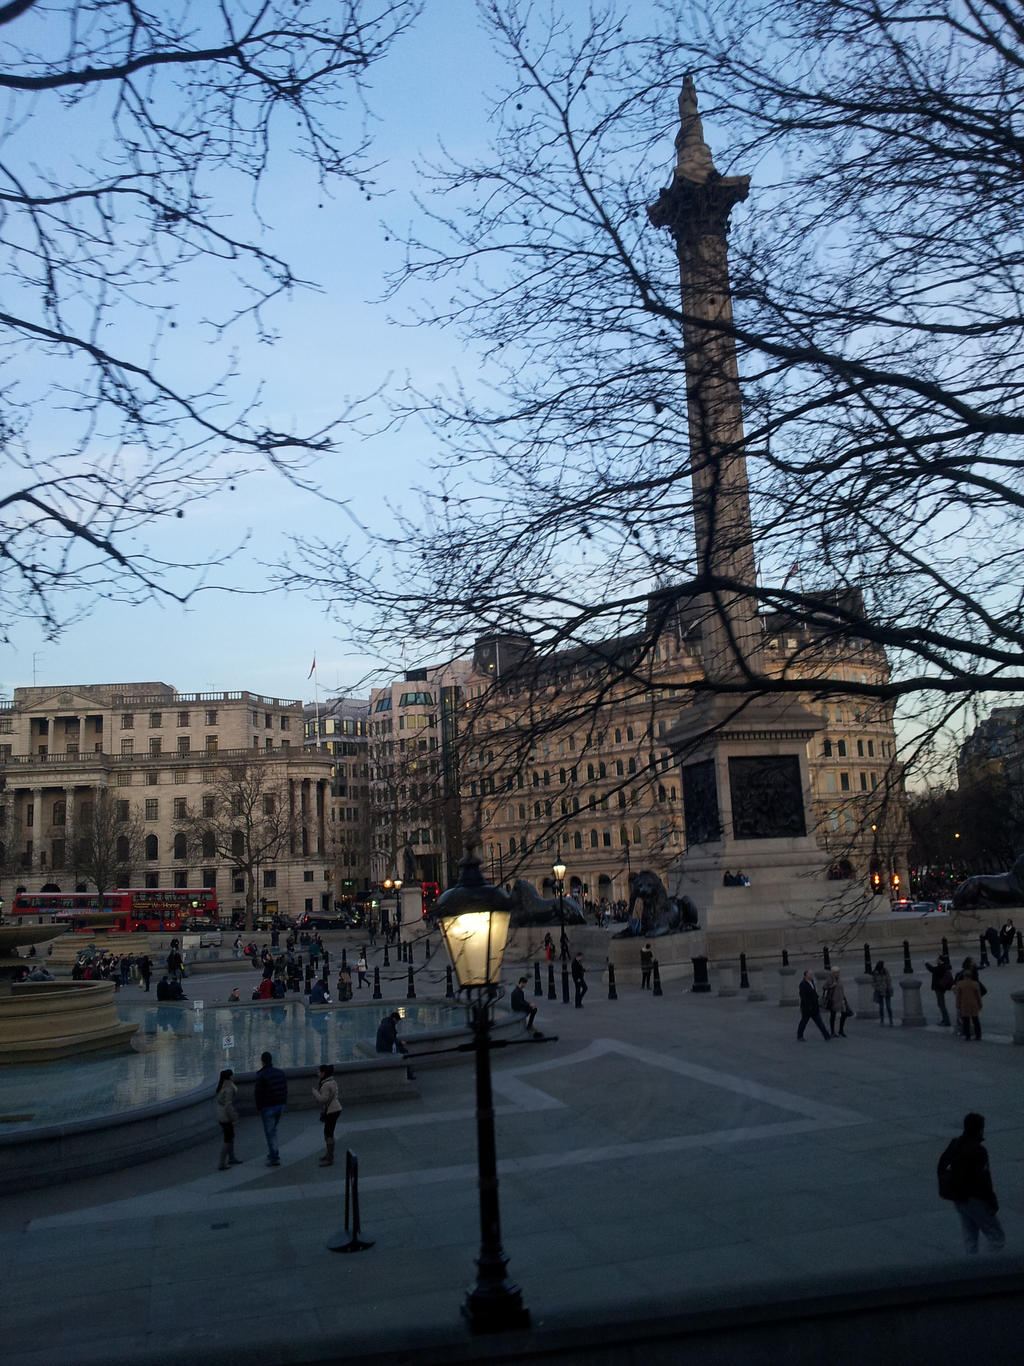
333, 345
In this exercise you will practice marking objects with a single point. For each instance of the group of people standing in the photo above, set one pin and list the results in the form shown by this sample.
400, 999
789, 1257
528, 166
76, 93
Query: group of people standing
270, 1094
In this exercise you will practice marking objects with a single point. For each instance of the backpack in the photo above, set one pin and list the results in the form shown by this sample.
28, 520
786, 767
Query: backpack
948, 1172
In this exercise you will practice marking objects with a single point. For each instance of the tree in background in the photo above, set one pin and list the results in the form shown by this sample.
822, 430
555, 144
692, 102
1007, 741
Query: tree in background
135, 141
245, 819
108, 842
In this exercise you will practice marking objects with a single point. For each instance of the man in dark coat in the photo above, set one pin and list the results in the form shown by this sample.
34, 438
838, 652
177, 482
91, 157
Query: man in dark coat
970, 1185
270, 1093
810, 1007
522, 1006
579, 980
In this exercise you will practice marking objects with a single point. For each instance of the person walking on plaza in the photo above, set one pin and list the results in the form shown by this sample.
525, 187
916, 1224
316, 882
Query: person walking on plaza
810, 1007
361, 969
883, 990
942, 981
175, 962
271, 1095
227, 1118
968, 1004
646, 964
964, 1178
521, 1006
145, 968
836, 1004
325, 1093
579, 980
1007, 934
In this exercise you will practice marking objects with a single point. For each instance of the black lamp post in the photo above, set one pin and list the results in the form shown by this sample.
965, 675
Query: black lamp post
473, 918
558, 870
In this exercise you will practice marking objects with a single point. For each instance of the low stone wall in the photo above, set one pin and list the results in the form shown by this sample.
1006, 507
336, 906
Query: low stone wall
40, 1021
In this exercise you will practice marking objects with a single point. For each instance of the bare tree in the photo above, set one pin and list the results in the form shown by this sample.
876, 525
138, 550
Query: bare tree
108, 843
244, 819
135, 141
877, 276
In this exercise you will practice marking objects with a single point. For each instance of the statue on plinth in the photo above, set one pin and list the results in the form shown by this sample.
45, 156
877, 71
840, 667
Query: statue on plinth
660, 913
992, 889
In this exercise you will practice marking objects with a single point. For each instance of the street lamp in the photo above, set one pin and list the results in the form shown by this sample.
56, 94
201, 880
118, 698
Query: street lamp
473, 918
558, 870
397, 884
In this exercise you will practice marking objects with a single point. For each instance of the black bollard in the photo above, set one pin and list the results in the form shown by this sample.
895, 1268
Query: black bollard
945, 947
449, 989
387, 960
552, 994
656, 979
376, 985
700, 973
744, 977
426, 949
565, 981
613, 995
327, 963
983, 958
867, 957
410, 995
538, 990
309, 978
355, 1243
908, 966
344, 959
825, 960
1020, 947
785, 960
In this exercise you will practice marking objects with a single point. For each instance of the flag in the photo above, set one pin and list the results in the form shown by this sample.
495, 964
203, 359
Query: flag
793, 569
312, 668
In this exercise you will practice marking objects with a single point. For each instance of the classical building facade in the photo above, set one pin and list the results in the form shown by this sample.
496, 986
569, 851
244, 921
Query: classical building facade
340, 727
567, 759
156, 756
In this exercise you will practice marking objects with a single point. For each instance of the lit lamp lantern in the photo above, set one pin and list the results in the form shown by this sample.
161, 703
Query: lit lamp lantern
473, 918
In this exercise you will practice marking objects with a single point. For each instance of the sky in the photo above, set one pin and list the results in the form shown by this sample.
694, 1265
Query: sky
332, 345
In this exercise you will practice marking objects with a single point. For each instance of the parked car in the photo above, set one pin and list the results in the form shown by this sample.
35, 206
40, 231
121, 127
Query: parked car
322, 921
925, 907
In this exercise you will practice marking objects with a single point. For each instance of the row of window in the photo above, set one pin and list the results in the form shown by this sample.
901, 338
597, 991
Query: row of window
156, 719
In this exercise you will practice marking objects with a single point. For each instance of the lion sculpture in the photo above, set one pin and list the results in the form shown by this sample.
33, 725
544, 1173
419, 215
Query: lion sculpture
529, 908
660, 913
992, 889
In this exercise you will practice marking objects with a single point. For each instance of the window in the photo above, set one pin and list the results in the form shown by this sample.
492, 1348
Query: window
180, 878
156, 720
844, 782
209, 845
121, 810
863, 782
152, 848
826, 749
307, 875
127, 746
127, 720
124, 780
152, 809
180, 846
180, 776
270, 877
183, 718
154, 744
184, 744
841, 749
211, 716
60, 813
209, 877
285, 723
860, 749
152, 778
180, 808
151, 879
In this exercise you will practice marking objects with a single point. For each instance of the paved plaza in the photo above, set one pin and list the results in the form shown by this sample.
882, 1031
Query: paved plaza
664, 1155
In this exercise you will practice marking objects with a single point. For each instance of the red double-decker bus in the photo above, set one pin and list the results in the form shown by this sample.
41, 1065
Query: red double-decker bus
128, 908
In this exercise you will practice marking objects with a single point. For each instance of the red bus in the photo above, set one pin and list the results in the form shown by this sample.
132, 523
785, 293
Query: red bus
129, 908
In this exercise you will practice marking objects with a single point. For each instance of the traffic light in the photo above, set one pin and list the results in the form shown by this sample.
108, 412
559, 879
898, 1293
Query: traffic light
876, 883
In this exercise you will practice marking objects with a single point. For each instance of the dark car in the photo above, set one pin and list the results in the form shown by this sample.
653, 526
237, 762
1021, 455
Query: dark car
322, 921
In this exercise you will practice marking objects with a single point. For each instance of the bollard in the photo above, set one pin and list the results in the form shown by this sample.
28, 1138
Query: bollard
538, 990
613, 995
867, 957
426, 949
785, 958
565, 981
410, 995
908, 966
788, 992
355, 1243
327, 963
756, 991
344, 959
309, 978
700, 974
656, 979
1020, 947
387, 960
913, 1014
867, 1007
945, 947
983, 958
725, 975
449, 988
376, 985
552, 994
744, 975
825, 960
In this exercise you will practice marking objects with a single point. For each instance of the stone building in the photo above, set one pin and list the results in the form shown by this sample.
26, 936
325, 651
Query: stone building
157, 755
339, 726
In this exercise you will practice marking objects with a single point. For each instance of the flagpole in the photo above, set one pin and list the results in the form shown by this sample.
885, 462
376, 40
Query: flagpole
316, 702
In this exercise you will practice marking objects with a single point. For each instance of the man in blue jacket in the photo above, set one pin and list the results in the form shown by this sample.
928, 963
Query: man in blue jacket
271, 1096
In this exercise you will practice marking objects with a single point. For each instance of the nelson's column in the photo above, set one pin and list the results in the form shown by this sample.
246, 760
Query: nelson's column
745, 782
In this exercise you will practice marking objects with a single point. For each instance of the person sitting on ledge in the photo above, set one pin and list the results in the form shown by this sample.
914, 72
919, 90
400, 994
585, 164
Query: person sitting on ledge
265, 990
166, 990
318, 996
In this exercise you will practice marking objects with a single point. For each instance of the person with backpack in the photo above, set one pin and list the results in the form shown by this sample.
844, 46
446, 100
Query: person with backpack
964, 1178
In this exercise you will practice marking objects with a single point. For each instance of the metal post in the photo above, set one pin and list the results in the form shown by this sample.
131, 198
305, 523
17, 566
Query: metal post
656, 979
387, 960
494, 1304
565, 981
945, 947
552, 994
983, 957
785, 958
908, 966
355, 1243
613, 995
449, 988
376, 985
867, 957
410, 995
538, 990
825, 959
744, 977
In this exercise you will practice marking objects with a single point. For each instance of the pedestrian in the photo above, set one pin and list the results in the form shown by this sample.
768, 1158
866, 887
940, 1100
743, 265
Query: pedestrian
883, 990
646, 964
325, 1093
318, 995
964, 1178
237, 946
942, 981
522, 1006
549, 947
145, 968
175, 962
1007, 934
271, 1095
967, 992
344, 983
227, 1118
361, 969
810, 1007
836, 1004
388, 1040
579, 980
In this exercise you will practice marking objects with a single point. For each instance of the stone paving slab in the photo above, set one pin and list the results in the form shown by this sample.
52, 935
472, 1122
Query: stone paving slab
664, 1152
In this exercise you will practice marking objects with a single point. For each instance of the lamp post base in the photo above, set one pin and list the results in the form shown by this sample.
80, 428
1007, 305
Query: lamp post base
495, 1309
